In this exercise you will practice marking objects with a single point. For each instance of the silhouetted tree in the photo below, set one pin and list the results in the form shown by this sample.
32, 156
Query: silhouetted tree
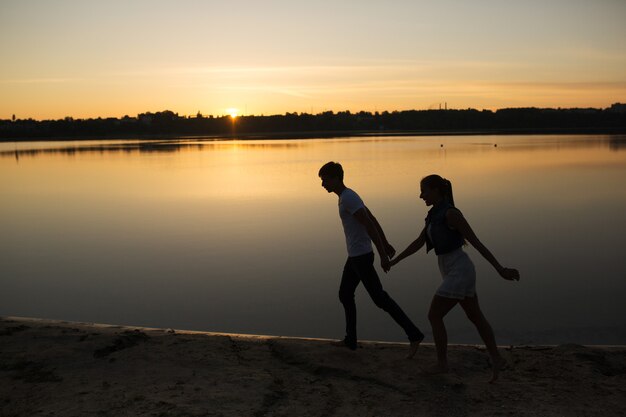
612, 120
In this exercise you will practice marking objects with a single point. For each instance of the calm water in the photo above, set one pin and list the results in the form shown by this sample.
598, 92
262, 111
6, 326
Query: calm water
239, 236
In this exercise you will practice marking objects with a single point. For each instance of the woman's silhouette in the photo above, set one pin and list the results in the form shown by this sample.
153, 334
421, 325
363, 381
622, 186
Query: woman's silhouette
446, 231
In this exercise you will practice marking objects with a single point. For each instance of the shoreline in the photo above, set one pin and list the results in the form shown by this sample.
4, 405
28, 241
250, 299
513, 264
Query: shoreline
328, 134
261, 337
54, 367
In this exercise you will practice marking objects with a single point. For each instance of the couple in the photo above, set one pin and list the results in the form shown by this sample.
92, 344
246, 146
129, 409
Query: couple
446, 231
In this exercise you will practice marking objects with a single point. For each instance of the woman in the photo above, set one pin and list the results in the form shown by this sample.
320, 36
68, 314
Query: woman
446, 231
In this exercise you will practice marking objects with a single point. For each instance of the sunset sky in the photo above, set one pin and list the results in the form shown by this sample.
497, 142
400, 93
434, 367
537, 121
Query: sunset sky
86, 58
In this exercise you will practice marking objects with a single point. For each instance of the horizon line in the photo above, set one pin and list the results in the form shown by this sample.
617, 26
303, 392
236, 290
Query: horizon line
442, 107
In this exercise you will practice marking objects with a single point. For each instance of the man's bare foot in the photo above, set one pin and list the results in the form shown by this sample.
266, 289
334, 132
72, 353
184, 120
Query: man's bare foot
437, 369
497, 365
344, 344
413, 347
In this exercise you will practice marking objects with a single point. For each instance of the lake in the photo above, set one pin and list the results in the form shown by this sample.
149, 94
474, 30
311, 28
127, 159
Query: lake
239, 236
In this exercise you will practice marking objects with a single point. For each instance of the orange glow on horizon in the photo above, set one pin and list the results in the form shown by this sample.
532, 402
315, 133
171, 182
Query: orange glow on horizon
233, 113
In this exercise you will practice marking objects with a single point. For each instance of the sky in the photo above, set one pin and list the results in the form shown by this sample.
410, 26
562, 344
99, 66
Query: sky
86, 58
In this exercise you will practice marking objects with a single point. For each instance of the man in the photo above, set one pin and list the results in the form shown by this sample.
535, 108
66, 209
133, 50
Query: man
361, 229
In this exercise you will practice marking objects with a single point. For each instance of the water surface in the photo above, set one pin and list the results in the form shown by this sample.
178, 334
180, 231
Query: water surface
239, 236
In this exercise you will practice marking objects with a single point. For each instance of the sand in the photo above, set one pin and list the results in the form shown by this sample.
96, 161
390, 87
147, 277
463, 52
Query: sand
53, 368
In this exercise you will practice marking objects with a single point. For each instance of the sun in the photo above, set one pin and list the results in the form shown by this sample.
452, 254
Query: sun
233, 112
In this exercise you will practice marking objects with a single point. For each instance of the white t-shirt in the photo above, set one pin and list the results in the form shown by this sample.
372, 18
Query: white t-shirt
357, 239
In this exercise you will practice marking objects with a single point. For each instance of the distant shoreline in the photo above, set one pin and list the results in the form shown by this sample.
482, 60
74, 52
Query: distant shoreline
326, 134
167, 124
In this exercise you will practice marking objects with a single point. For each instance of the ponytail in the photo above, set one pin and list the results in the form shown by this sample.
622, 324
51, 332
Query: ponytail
447, 185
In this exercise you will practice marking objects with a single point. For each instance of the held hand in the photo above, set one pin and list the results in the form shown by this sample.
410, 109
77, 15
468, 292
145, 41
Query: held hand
390, 250
385, 264
393, 262
510, 274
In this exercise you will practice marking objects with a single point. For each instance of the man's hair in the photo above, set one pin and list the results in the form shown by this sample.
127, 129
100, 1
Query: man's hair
332, 170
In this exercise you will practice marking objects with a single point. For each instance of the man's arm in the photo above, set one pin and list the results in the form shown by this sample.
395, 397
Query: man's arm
364, 218
390, 249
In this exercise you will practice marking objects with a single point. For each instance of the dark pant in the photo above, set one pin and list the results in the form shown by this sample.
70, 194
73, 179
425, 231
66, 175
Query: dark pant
361, 269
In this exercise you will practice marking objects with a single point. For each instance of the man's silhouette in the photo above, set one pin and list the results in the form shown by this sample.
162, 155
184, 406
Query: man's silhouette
361, 229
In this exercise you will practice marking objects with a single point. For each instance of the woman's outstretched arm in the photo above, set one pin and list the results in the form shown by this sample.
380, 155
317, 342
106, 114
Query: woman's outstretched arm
412, 248
456, 220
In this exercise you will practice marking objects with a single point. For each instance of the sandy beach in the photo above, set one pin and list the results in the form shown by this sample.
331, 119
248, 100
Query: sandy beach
54, 368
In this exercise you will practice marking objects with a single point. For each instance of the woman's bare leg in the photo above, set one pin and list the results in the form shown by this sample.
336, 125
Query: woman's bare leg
476, 316
439, 307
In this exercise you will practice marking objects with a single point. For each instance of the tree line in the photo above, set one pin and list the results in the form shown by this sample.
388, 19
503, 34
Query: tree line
169, 124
